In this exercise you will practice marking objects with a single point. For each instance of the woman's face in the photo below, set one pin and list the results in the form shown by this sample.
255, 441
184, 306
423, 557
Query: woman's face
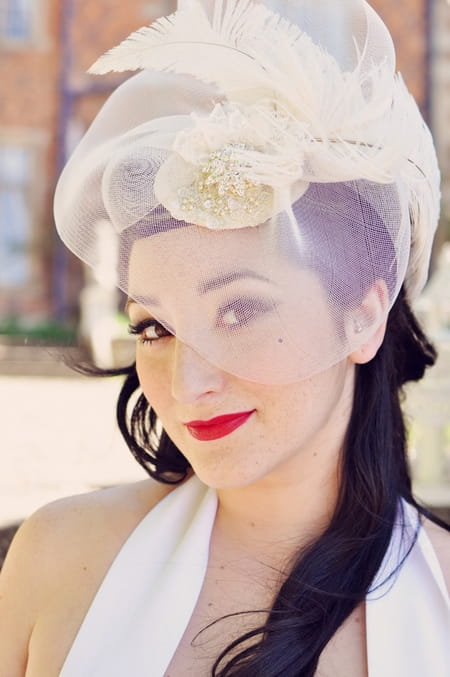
232, 430
239, 302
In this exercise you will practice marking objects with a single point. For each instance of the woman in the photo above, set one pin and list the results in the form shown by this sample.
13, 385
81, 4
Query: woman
271, 229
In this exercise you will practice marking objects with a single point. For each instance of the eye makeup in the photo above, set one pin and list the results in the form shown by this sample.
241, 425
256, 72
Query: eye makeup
149, 330
243, 311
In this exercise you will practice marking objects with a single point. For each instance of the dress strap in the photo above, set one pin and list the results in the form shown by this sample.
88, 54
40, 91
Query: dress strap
408, 610
144, 604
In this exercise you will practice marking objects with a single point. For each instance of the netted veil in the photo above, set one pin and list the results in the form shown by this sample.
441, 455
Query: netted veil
268, 180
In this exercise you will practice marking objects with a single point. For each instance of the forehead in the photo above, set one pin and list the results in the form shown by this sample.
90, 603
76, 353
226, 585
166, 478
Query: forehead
190, 256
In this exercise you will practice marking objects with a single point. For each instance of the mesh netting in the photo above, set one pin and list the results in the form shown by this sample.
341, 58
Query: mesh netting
302, 161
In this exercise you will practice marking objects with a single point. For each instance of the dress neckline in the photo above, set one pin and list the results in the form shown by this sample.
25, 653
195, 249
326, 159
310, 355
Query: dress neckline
143, 606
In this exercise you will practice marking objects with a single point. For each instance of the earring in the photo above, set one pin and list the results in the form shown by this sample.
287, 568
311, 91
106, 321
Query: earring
357, 326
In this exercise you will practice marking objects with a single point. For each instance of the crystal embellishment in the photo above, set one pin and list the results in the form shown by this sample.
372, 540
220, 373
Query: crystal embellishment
224, 194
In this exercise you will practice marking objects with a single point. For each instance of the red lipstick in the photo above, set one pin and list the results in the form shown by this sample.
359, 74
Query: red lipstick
217, 427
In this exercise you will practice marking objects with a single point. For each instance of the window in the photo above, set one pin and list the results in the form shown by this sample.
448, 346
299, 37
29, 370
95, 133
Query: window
153, 9
17, 21
334, 33
15, 215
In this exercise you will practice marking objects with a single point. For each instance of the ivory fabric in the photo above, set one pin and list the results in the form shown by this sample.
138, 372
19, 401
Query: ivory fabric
282, 145
144, 604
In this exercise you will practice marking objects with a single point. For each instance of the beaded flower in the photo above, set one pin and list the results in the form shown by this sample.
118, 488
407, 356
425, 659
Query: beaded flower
220, 173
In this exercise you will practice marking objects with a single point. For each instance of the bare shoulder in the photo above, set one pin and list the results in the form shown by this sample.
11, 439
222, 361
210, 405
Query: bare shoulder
60, 555
440, 540
67, 525
79, 528
111, 509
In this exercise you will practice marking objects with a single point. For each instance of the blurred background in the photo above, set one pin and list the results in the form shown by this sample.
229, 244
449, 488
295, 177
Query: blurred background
57, 432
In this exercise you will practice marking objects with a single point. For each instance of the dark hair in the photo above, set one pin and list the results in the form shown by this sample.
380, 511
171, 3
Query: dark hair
333, 574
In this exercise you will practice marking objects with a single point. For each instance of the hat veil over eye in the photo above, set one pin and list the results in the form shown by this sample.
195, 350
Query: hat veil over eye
277, 166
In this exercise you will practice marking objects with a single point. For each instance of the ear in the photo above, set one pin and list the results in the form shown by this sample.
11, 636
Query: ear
370, 323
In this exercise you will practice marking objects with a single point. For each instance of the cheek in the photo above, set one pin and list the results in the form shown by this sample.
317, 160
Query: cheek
307, 405
290, 413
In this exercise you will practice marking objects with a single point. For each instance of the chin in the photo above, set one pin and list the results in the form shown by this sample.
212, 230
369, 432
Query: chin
220, 477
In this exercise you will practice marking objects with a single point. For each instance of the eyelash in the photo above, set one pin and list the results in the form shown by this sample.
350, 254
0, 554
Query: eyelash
139, 329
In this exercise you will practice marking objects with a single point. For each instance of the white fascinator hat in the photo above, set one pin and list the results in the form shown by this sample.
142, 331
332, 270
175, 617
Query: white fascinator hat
268, 179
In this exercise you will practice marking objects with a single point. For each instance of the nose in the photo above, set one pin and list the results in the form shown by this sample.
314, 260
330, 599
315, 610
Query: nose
192, 375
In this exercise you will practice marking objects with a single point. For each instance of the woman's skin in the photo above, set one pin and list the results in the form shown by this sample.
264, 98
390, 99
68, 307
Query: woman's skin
239, 301
62, 553
276, 477
266, 508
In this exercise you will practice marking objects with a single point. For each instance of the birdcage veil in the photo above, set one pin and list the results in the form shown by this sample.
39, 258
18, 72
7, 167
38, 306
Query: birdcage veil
268, 180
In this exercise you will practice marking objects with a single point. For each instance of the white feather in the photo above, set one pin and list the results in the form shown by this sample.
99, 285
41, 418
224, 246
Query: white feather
354, 124
247, 50
186, 42
252, 54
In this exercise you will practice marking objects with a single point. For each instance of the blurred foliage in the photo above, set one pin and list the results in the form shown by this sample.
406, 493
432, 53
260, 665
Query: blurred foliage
50, 332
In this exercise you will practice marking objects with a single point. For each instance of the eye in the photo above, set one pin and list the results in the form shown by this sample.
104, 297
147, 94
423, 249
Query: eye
230, 318
243, 311
149, 331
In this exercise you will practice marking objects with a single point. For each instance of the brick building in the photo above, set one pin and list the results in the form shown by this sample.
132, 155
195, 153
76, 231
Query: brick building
47, 100
440, 101
29, 108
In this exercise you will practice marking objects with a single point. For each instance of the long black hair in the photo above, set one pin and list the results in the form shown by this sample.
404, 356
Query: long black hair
329, 578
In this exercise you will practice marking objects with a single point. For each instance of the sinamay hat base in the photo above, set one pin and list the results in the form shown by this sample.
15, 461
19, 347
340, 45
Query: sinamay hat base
269, 194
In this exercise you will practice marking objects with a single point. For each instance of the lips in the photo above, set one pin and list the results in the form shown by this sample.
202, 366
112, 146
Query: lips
217, 427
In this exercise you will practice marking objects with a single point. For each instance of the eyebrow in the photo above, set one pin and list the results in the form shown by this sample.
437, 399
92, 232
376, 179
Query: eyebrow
141, 300
227, 278
214, 283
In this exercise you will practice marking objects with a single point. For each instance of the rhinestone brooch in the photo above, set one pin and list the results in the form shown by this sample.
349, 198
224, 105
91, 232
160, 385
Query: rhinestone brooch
223, 193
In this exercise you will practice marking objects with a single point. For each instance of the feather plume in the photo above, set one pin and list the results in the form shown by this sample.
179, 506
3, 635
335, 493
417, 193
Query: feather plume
248, 52
314, 121
252, 54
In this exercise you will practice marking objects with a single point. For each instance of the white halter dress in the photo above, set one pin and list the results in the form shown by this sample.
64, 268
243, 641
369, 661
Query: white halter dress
147, 597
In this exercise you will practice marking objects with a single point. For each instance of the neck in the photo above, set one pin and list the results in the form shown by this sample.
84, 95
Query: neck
285, 510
